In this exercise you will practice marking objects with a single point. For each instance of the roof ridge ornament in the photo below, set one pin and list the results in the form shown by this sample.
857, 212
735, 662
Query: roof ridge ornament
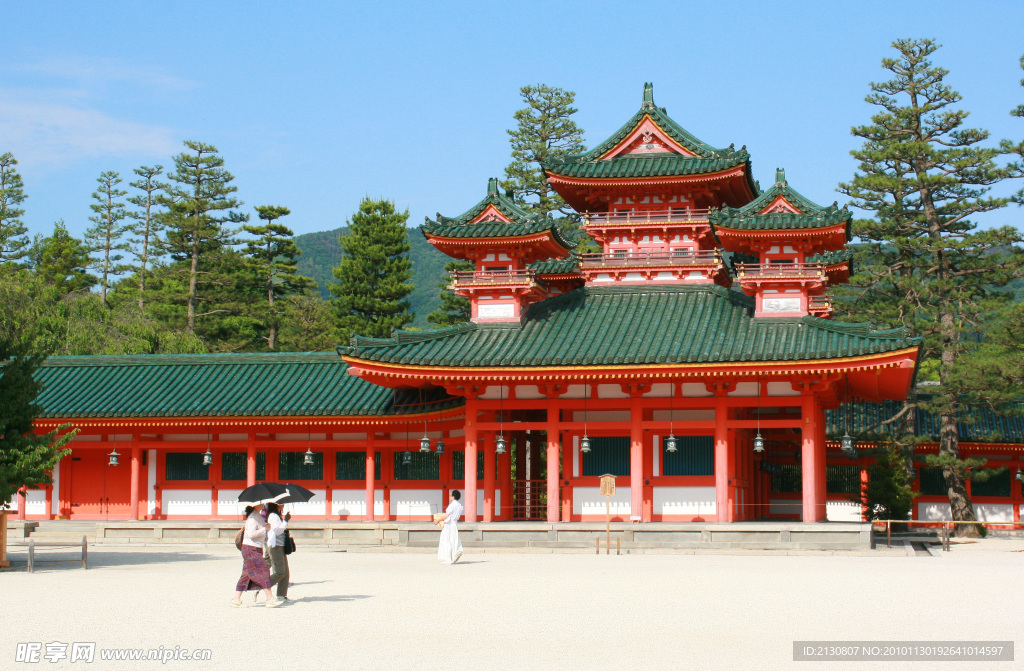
492, 186
780, 176
648, 96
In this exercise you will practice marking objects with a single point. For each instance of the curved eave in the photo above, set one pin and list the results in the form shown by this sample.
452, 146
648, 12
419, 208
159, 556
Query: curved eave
725, 235
727, 173
549, 240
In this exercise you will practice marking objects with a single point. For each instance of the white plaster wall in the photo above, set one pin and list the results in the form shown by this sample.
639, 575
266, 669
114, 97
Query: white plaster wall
35, 502
610, 391
785, 507
55, 503
781, 389
416, 501
842, 511
656, 453
684, 501
659, 390
496, 392
188, 502
227, 503
994, 512
300, 436
150, 486
353, 502
934, 512
745, 389
575, 456
315, 507
677, 415
181, 437
696, 390
588, 501
528, 392
480, 502
349, 436
601, 416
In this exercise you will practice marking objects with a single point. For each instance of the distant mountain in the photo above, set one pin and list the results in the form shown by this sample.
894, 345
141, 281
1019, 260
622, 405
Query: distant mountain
321, 253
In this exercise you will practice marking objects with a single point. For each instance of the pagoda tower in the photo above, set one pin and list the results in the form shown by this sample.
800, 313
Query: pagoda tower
799, 248
520, 258
646, 193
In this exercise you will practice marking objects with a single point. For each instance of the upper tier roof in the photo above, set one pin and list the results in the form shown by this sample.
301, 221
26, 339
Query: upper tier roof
520, 222
700, 157
632, 325
213, 385
795, 213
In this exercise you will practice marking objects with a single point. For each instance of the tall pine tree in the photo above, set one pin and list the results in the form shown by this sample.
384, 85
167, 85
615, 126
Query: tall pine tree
106, 236
200, 207
924, 176
272, 256
62, 261
374, 273
14, 240
148, 223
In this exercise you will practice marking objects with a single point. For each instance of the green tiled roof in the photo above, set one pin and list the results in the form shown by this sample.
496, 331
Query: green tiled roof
708, 159
632, 325
218, 385
568, 266
811, 215
979, 424
523, 222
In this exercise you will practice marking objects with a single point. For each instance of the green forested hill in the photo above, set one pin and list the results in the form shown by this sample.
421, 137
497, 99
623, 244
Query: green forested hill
321, 252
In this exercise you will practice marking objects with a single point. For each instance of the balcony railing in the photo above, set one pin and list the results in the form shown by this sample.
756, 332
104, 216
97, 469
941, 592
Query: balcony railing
466, 278
795, 271
819, 304
680, 215
704, 257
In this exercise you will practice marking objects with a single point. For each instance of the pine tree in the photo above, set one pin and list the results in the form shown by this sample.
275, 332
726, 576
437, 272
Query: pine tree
105, 237
272, 255
453, 309
148, 224
924, 175
545, 131
14, 240
308, 324
62, 261
200, 205
374, 273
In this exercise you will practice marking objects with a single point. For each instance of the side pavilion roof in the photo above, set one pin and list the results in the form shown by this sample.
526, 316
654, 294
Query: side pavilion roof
793, 211
619, 326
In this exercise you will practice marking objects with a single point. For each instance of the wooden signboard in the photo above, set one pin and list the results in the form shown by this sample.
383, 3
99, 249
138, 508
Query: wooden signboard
607, 485
3, 540
608, 491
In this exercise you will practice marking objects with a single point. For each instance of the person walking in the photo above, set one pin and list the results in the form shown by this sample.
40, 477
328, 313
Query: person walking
279, 574
449, 549
255, 574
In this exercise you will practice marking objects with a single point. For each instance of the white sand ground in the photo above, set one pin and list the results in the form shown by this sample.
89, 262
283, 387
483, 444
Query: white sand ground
372, 610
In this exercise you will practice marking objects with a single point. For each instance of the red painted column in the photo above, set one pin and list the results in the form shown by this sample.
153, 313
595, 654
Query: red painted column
22, 502
489, 466
250, 461
133, 497
370, 470
552, 462
722, 462
469, 498
813, 462
865, 480
636, 460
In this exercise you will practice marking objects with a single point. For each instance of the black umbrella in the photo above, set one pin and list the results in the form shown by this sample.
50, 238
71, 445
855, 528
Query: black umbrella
296, 494
262, 493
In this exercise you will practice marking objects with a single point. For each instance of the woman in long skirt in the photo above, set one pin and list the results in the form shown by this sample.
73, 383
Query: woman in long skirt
450, 548
255, 574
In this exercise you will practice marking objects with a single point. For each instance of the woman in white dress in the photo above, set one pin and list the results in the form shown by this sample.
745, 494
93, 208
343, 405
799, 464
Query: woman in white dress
450, 548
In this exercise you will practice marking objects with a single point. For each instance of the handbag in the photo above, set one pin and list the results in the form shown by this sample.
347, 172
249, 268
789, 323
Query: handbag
238, 538
289, 543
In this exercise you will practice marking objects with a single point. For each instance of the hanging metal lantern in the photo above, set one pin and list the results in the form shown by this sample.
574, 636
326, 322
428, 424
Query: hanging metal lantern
670, 443
846, 445
759, 444
499, 445
440, 446
207, 457
1019, 476
113, 458
424, 443
307, 458
407, 458
585, 444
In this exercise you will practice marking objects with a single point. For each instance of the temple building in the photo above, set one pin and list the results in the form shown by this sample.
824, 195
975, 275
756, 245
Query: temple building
693, 358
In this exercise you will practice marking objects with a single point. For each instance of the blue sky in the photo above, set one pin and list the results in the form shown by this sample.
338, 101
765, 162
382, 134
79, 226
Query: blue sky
314, 105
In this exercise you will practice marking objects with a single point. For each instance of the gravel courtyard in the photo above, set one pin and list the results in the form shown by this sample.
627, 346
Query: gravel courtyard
505, 610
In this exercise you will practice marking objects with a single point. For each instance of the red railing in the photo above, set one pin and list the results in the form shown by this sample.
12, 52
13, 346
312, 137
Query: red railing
703, 257
819, 304
465, 278
780, 271
680, 215
530, 500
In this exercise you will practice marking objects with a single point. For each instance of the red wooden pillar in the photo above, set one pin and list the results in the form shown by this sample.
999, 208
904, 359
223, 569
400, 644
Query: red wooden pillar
636, 460
865, 480
813, 461
370, 471
723, 460
250, 461
489, 467
22, 502
133, 500
552, 461
470, 475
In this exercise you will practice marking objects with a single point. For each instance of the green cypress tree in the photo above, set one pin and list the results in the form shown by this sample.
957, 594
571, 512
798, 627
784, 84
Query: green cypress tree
14, 240
272, 256
454, 309
924, 176
148, 223
106, 236
62, 261
374, 273
199, 205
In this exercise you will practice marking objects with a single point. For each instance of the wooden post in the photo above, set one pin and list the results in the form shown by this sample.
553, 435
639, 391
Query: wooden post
3, 540
31, 555
85, 552
608, 489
